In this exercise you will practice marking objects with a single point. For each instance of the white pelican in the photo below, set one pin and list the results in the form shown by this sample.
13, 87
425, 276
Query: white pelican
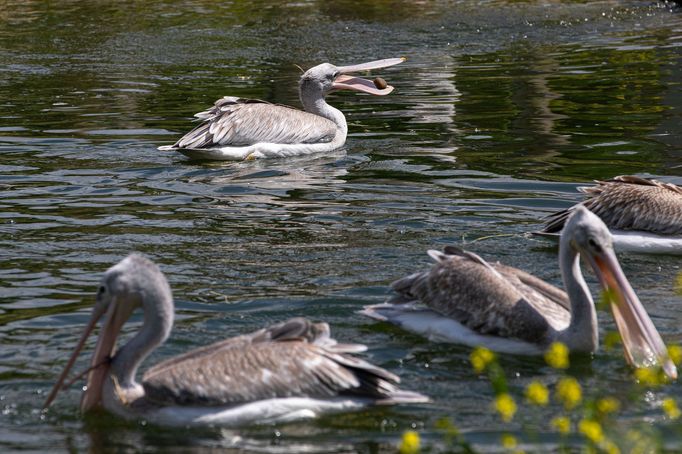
643, 215
237, 128
287, 371
464, 299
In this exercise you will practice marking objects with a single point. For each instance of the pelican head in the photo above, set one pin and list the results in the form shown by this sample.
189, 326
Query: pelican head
322, 79
132, 283
588, 235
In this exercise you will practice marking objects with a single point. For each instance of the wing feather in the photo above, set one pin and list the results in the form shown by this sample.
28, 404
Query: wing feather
630, 203
488, 298
242, 122
291, 359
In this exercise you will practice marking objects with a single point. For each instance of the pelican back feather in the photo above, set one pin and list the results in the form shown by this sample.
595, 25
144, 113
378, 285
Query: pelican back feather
296, 358
630, 203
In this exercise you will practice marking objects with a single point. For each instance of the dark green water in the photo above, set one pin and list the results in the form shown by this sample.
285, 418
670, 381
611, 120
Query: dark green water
500, 112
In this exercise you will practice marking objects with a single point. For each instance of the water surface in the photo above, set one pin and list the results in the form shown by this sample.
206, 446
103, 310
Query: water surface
502, 110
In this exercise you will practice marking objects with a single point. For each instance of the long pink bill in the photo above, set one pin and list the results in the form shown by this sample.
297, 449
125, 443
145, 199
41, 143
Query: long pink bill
116, 316
641, 341
344, 82
97, 313
376, 64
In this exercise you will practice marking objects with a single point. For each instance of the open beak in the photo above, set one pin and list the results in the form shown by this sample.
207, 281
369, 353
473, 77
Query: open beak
96, 315
99, 365
346, 82
642, 344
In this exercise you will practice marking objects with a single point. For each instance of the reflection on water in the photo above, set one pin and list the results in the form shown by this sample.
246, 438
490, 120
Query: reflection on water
501, 111
274, 181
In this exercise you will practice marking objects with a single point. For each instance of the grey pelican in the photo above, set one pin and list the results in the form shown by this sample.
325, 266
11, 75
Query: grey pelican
643, 215
287, 371
237, 128
464, 299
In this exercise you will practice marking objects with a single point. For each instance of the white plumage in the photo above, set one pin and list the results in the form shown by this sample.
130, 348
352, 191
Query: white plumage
237, 128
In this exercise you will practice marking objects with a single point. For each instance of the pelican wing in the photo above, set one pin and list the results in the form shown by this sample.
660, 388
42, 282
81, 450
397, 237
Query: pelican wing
296, 358
631, 203
535, 285
490, 299
242, 122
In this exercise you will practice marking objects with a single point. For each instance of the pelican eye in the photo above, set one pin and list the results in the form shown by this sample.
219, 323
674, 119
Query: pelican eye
101, 290
594, 245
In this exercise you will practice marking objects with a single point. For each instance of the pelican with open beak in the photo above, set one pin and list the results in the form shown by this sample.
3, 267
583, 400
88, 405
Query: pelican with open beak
237, 128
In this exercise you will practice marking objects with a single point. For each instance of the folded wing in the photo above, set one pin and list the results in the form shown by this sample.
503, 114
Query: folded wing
242, 122
296, 358
630, 203
490, 299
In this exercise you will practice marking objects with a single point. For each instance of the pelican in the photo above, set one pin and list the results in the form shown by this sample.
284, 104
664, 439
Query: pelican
238, 128
643, 215
464, 299
284, 372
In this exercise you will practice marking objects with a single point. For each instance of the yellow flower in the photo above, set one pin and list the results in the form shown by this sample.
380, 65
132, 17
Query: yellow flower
591, 429
562, 424
505, 406
675, 352
537, 393
649, 376
410, 442
670, 408
557, 355
608, 405
481, 358
509, 441
569, 392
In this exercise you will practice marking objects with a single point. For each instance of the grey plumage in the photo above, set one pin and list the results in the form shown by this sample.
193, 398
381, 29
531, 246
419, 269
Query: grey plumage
289, 359
489, 298
630, 203
242, 122
237, 129
473, 302
287, 370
